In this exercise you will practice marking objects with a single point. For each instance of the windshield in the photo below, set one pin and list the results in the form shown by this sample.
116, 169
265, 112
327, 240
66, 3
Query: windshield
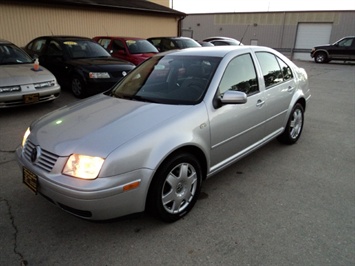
170, 79
140, 47
11, 55
85, 49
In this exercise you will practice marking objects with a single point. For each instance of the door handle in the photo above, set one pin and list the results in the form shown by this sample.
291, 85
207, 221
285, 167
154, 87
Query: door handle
260, 103
290, 89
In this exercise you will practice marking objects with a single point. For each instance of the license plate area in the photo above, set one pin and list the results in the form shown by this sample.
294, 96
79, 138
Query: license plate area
31, 180
31, 98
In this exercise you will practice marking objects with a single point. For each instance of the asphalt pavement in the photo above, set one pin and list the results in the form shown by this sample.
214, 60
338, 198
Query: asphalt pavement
281, 205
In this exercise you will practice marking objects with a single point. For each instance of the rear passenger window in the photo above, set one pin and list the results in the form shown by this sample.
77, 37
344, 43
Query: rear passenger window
240, 75
285, 69
274, 69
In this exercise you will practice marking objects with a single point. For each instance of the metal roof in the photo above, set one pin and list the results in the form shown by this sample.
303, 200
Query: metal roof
128, 5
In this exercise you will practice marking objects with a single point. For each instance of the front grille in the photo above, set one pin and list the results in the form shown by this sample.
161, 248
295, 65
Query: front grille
46, 159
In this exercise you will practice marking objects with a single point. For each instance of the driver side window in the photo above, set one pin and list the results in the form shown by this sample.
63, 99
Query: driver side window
240, 75
54, 49
117, 45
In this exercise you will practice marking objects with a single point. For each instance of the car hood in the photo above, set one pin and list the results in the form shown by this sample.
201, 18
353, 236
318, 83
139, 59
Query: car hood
22, 74
98, 125
323, 46
99, 62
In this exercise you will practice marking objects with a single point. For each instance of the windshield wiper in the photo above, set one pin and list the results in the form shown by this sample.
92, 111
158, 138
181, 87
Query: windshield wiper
134, 97
143, 99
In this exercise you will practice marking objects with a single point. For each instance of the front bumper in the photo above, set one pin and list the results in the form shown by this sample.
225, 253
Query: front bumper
14, 99
100, 199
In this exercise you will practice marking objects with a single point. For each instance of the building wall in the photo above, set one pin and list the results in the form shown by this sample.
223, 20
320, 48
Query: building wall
161, 2
274, 29
21, 23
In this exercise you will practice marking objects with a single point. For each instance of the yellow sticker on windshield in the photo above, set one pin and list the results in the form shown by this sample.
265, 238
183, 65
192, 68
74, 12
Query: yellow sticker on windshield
70, 43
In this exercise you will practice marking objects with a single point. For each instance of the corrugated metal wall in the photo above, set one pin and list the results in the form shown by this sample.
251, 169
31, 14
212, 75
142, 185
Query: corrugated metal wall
21, 23
273, 29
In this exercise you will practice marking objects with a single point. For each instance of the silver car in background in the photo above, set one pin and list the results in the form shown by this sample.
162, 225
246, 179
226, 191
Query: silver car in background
20, 83
175, 120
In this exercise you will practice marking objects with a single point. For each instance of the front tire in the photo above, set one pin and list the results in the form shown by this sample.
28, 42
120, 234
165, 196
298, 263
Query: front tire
294, 126
78, 87
175, 187
321, 57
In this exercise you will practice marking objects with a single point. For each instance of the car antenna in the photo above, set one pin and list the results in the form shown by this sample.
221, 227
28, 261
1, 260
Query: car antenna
105, 30
50, 28
240, 42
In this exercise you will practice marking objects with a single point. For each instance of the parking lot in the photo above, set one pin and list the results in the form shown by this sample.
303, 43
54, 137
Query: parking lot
281, 205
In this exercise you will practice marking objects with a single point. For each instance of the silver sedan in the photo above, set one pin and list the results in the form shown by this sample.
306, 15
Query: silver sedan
20, 83
175, 120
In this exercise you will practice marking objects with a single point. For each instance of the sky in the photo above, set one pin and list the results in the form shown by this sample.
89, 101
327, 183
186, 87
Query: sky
220, 6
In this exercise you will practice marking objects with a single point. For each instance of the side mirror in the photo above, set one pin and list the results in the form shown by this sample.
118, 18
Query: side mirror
233, 97
230, 97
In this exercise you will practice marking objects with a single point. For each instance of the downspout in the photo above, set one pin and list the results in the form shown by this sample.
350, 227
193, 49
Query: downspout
179, 25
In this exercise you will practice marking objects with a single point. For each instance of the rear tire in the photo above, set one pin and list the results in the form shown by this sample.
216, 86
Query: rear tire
294, 126
175, 187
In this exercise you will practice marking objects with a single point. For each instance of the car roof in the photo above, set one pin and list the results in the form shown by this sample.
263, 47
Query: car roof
64, 37
2, 41
172, 37
215, 38
120, 37
214, 51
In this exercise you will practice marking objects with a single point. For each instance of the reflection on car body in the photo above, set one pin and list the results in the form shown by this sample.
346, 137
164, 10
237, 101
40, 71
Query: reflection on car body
20, 83
171, 43
134, 50
79, 63
221, 41
175, 120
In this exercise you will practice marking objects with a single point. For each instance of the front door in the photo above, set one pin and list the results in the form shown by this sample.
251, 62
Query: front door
236, 128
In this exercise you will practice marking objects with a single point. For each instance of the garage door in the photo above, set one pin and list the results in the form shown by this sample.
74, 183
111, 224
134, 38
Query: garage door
310, 35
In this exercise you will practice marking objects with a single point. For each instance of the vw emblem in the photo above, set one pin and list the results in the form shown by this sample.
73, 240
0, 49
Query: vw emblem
36, 152
124, 73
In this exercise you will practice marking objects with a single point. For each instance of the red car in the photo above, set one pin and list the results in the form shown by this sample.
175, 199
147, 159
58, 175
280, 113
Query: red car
134, 50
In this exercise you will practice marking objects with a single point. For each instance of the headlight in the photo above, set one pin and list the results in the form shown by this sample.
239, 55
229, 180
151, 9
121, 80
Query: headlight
44, 84
82, 166
10, 89
25, 136
99, 75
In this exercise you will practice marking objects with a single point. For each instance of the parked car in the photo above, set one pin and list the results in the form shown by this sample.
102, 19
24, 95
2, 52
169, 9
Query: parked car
134, 50
171, 43
20, 83
221, 41
79, 63
206, 44
344, 49
175, 120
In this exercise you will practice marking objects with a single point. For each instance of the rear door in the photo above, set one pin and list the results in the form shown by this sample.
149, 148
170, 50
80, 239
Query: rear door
279, 89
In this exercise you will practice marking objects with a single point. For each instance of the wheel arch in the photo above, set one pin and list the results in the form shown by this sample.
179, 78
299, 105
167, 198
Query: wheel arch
321, 51
193, 150
301, 101
189, 149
